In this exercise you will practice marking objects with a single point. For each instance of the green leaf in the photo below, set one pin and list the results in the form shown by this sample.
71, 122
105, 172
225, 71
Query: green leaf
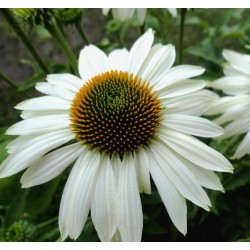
41, 77
240, 178
31, 82
204, 54
8, 186
244, 240
8, 189
33, 64
51, 234
88, 234
42, 33
15, 211
228, 15
152, 199
154, 228
40, 197
4, 141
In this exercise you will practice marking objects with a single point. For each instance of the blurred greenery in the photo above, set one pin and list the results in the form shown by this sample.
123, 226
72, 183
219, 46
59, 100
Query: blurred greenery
206, 33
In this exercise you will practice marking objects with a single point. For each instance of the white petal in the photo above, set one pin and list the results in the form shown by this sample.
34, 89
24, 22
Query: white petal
179, 175
118, 59
172, 199
230, 71
92, 62
181, 88
105, 11
173, 11
159, 60
116, 163
50, 89
238, 61
141, 14
27, 114
39, 125
196, 151
226, 103
66, 81
36, 148
179, 73
236, 127
19, 143
129, 210
65, 224
122, 14
192, 104
232, 113
142, 167
103, 208
51, 165
192, 125
78, 195
243, 148
233, 85
139, 52
44, 103
207, 178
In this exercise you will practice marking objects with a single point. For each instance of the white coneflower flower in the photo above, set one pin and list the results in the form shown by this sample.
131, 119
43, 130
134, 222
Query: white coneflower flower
124, 14
129, 116
235, 107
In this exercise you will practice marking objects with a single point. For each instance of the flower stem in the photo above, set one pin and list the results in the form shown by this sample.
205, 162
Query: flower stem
57, 34
46, 223
82, 33
20, 33
231, 144
13, 85
182, 24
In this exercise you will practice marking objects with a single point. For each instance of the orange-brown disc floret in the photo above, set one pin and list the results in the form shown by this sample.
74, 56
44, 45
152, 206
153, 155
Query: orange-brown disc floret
115, 112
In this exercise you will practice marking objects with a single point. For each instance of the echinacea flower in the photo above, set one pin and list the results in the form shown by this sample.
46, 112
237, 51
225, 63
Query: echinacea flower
124, 14
130, 116
234, 107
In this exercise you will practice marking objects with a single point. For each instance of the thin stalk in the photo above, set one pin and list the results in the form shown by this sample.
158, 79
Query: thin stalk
182, 24
48, 222
81, 32
119, 38
20, 33
57, 34
231, 144
121, 33
13, 85
60, 26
